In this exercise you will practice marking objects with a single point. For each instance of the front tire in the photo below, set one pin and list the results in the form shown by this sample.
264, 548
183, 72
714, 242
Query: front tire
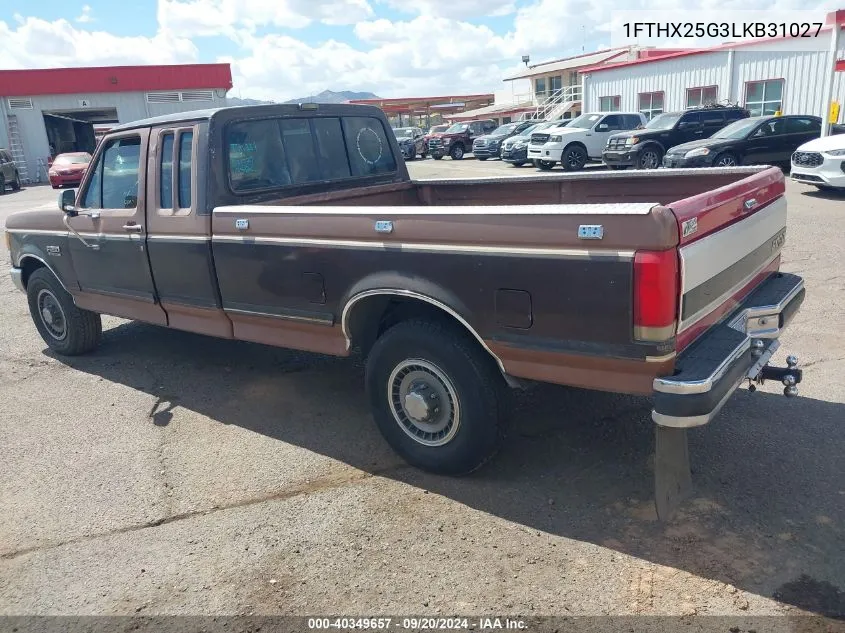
2, 185
574, 158
482, 157
649, 158
457, 152
725, 159
66, 329
16, 183
436, 396
437, 157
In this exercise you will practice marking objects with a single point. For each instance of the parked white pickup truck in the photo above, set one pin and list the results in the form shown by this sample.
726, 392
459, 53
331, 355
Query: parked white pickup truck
580, 141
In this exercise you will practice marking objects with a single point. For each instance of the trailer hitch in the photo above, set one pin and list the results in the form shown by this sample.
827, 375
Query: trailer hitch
789, 376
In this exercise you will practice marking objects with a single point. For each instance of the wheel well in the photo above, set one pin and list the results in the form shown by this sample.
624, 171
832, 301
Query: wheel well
578, 143
28, 266
371, 316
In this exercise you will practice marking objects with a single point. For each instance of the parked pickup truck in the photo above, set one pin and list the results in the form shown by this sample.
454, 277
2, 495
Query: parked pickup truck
297, 226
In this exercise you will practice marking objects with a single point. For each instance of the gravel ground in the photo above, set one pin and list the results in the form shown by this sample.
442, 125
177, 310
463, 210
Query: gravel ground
170, 473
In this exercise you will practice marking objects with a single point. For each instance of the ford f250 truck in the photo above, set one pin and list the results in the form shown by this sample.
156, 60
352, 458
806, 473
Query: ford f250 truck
298, 226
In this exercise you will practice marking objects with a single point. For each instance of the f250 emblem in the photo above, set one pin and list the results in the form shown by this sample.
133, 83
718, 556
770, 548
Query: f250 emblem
54, 251
779, 241
689, 227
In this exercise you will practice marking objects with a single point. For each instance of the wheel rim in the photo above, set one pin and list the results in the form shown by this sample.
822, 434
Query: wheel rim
575, 158
649, 160
458, 152
726, 161
424, 402
51, 314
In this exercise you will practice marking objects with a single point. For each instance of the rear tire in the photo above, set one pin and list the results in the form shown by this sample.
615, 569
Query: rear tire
618, 167
66, 329
482, 157
2, 186
16, 183
437, 157
519, 164
545, 165
436, 396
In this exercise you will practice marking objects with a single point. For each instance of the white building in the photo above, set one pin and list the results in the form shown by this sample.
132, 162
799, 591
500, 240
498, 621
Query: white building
776, 75
45, 112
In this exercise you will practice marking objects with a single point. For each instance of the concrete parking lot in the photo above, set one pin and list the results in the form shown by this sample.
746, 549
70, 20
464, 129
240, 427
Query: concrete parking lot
170, 473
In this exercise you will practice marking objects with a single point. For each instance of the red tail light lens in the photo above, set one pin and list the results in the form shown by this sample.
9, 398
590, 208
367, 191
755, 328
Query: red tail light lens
656, 294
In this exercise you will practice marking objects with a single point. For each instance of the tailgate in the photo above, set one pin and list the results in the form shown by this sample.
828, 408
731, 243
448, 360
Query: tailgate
730, 242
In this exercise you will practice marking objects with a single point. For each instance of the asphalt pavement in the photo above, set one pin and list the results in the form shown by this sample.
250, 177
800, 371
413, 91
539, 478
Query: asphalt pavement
171, 473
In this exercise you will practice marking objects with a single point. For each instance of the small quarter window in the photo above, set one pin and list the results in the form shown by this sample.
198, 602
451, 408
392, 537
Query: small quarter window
166, 174
185, 154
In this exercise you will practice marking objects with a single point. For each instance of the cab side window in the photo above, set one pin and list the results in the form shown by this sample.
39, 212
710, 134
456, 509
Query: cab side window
799, 125
166, 174
186, 141
114, 182
614, 122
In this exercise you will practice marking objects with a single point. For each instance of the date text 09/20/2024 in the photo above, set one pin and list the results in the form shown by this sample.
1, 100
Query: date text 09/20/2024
416, 624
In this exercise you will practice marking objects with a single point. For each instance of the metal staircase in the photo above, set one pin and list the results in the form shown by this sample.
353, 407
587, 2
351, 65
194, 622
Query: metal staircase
555, 104
16, 149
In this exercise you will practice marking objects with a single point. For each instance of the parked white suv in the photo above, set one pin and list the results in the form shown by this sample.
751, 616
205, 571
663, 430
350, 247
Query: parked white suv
582, 140
821, 162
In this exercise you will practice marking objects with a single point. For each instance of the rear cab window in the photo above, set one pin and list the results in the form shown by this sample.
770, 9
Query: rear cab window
285, 151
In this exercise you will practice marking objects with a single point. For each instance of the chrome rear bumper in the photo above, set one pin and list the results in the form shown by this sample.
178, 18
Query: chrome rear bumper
739, 348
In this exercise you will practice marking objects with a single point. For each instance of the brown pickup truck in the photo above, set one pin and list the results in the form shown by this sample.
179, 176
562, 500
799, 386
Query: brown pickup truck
298, 226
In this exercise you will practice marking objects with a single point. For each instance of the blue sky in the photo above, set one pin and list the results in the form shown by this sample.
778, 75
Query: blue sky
281, 49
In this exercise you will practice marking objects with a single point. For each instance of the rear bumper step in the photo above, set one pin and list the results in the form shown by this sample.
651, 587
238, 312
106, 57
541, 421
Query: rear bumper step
739, 348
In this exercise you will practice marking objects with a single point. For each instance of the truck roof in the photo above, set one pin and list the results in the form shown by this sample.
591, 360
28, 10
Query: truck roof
252, 110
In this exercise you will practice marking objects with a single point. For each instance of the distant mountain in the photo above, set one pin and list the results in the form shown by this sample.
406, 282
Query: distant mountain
329, 96
234, 101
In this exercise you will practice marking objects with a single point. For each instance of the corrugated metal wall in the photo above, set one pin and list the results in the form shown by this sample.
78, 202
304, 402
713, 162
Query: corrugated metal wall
130, 106
672, 77
803, 72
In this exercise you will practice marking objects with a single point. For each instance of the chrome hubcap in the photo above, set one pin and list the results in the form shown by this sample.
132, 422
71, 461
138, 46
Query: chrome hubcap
52, 315
726, 161
424, 402
649, 160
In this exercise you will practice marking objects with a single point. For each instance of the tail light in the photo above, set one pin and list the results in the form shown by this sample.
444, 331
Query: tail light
656, 293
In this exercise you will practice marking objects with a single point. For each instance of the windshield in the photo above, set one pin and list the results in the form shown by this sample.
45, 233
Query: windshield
403, 132
527, 131
438, 128
457, 128
737, 129
78, 159
584, 122
663, 121
507, 128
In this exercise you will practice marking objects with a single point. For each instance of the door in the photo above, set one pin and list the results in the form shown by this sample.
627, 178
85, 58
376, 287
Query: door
690, 128
115, 266
712, 121
766, 143
799, 130
596, 139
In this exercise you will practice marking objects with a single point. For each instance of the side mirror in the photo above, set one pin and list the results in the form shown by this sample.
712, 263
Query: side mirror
602, 127
67, 202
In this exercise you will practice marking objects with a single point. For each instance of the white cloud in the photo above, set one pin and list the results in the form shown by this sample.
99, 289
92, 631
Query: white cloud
418, 57
454, 9
37, 43
214, 17
85, 16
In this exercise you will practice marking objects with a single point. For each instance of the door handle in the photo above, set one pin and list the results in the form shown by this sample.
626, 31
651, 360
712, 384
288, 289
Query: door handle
133, 228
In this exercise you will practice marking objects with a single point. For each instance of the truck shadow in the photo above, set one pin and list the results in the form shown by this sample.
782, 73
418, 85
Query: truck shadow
767, 515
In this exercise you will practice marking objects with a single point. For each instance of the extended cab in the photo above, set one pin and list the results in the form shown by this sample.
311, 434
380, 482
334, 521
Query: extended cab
644, 149
297, 226
457, 140
581, 141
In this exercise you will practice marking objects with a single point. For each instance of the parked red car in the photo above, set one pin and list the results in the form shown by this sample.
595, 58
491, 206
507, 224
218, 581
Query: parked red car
68, 169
